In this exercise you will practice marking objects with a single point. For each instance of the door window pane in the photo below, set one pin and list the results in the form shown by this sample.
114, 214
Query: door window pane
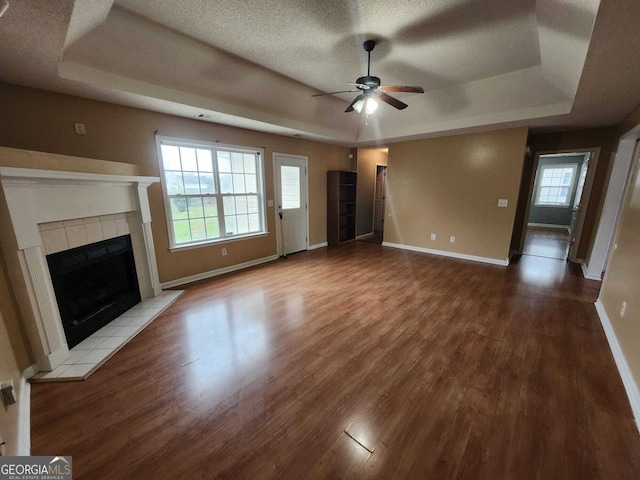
290, 185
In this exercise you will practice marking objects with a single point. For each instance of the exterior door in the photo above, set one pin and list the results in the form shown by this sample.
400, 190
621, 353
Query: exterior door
378, 202
291, 207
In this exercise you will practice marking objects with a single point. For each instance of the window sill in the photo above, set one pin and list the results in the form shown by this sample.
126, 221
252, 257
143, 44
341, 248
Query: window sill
546, 205
222, 241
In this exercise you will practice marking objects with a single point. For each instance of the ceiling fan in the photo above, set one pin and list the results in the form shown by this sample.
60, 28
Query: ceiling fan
371, 89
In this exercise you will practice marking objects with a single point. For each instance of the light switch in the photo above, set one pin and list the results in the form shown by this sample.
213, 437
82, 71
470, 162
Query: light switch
80, 128
433, 236
8, 395
269, 203
503, 202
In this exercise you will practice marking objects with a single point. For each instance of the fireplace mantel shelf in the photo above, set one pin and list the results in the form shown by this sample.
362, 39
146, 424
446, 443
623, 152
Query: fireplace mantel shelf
33, 175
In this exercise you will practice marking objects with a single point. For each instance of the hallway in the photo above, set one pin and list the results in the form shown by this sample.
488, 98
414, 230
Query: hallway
547, 242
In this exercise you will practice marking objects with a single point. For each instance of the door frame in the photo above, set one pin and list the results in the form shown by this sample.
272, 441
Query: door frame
586, 194
276, 191
622, 164
375, 187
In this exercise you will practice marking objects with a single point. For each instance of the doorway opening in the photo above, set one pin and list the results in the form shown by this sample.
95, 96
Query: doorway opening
558, 197
379, 198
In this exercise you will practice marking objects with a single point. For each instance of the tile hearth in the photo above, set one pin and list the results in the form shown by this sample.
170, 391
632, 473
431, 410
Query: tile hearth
93, 352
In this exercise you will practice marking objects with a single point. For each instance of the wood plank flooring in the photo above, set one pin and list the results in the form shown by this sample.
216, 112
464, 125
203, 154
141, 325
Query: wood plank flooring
358, 362
547, 242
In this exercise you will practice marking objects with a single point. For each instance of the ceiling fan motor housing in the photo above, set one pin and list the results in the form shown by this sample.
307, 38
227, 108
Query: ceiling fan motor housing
368, 80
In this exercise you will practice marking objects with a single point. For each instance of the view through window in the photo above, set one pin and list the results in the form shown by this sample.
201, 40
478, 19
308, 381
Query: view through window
211, 192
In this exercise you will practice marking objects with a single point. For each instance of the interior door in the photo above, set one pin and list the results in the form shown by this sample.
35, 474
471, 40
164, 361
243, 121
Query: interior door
291, 197
577, 212
378, 203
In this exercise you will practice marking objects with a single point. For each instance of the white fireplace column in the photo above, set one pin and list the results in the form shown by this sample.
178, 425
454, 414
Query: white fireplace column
48, 342
33, 197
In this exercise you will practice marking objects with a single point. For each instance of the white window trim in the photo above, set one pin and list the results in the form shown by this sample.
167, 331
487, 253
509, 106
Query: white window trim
538, 187
173, 246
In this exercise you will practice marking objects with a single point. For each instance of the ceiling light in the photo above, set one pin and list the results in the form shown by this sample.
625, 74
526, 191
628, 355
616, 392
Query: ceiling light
371, 105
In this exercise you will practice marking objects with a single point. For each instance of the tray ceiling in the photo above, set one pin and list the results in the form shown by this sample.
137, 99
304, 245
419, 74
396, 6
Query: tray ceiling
256, 64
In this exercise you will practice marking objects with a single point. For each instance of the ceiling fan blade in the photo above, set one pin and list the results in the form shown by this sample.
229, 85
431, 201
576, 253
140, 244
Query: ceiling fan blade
394, 102
400, 88
333, 93
350, 107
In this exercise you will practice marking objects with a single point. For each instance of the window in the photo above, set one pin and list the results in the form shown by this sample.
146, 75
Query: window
555, 185
212, 192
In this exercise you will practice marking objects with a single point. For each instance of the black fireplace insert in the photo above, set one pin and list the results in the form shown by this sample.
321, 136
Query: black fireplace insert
94, 284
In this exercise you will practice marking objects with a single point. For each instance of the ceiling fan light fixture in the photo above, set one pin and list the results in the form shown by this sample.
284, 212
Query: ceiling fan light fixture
368, 104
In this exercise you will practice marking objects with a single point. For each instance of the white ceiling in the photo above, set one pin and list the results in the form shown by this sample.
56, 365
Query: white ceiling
255, 64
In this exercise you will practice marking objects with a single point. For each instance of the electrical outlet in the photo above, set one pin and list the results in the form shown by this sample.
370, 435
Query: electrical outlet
623, 308
433, 236
452, 239
224, 252
80, 128
503, 202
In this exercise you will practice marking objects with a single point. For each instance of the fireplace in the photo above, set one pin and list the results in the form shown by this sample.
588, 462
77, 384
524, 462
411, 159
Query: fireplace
44, 212
93, 285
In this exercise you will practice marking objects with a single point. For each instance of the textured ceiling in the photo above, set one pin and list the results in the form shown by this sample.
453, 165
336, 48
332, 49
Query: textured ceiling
255, 64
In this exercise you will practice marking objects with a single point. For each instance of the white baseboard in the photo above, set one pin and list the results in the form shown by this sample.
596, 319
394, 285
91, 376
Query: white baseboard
549, 225
444, 253
219, 271
317, 245
586, 274
621, 362
24, 412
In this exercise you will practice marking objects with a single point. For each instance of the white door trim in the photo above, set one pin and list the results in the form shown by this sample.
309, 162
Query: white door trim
586, 189
609, 218
276, 190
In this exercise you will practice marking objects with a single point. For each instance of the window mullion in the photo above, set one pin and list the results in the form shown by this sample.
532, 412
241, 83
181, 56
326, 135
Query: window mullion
216, 179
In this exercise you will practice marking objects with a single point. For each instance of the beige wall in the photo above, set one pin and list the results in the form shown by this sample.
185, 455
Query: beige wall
451, 186
43, 121
15, 357
622, 278
367, 160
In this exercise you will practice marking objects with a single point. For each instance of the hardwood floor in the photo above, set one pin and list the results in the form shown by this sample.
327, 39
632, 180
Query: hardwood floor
358, 362
547, 242
374, 237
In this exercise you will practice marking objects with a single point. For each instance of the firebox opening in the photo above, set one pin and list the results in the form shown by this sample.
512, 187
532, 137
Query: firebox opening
94, 284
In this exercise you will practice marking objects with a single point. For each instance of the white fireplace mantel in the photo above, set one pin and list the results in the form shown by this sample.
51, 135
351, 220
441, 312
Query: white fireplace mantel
33, 197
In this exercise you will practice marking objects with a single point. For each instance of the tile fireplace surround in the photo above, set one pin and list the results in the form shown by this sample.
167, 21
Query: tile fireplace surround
50, 211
